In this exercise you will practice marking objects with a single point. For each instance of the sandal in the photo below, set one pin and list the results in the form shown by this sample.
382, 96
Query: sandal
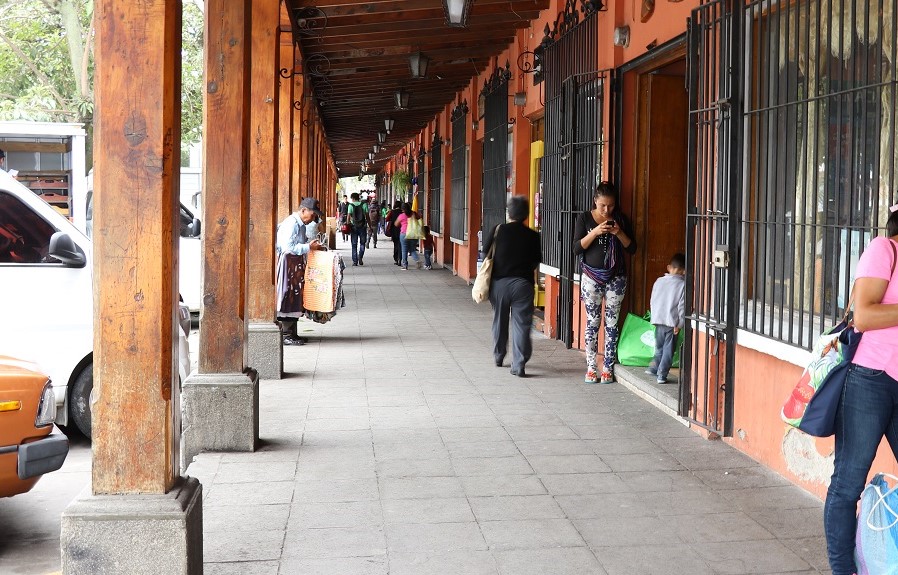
607, 376
591, 376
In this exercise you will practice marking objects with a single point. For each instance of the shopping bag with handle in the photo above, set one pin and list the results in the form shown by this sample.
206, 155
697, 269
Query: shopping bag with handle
876, 543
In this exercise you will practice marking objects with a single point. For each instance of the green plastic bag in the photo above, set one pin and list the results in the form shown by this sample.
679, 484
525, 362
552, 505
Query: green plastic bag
636, 344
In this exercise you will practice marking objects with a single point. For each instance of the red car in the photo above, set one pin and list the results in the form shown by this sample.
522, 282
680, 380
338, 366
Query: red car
30, 445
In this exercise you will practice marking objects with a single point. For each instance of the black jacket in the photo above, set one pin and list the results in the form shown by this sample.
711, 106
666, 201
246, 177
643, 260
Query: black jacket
518, 251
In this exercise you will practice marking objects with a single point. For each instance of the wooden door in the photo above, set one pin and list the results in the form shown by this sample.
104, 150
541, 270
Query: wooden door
660, 221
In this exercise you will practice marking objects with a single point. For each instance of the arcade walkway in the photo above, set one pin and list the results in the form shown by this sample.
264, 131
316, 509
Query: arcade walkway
394, 445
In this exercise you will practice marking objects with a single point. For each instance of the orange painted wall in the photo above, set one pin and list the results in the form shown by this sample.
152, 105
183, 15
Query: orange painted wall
762, 385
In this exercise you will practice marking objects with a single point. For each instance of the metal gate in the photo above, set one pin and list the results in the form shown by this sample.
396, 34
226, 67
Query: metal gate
495, 149
576, 100
714, 185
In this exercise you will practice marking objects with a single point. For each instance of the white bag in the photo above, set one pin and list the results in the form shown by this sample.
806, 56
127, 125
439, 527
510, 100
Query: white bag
481, 290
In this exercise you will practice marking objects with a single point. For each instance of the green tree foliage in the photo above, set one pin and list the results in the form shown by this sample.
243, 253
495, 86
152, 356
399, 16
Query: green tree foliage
46, 63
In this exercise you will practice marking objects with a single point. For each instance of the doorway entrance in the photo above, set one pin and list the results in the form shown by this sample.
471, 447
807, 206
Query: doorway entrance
660, 122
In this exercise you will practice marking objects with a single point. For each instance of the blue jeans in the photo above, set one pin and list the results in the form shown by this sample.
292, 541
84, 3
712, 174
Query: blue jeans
358, 236
868, 409
665, 340
407, 246
427, 255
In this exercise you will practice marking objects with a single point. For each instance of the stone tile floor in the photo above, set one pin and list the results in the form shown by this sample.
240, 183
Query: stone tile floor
394, 445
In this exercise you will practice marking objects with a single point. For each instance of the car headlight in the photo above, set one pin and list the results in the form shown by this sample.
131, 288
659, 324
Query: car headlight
46, 410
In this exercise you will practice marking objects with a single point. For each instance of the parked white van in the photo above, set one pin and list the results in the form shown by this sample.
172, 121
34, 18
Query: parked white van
46, 299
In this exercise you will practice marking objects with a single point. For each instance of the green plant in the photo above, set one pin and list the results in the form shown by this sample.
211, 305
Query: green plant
402, 181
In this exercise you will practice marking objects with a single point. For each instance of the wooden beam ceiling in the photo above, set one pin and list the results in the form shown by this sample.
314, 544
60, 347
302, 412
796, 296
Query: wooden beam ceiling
356, 55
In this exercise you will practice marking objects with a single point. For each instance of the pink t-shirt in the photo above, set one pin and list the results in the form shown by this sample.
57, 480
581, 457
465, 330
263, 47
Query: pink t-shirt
402, 222
878, 348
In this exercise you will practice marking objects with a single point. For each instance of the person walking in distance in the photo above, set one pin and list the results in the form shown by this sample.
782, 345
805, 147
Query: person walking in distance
373, 221
357, 216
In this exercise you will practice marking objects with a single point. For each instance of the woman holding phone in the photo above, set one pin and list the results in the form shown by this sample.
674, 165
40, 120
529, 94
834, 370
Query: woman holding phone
601, 236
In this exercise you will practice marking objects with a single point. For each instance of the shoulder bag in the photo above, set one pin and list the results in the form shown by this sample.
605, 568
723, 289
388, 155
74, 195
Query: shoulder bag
813, 403
481, 290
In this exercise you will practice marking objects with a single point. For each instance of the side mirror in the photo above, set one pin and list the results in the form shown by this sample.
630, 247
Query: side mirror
65, 250
196, 228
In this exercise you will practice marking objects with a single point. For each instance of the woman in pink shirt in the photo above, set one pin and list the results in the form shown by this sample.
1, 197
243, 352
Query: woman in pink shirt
868, 408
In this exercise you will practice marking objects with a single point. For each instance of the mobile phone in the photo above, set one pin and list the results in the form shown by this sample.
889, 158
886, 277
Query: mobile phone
610, 222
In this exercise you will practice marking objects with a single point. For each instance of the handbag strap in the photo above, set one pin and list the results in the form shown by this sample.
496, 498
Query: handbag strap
892, 273
492, 249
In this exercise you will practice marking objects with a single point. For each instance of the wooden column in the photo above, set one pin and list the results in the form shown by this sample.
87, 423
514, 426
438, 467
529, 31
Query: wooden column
225, 187
138, 128
286, 114
263, 173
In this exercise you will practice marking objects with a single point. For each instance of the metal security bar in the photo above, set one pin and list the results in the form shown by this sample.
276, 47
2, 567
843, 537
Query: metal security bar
436, 185
422, 185
458, 225
572, 163
821, 157
495, 149
712, 217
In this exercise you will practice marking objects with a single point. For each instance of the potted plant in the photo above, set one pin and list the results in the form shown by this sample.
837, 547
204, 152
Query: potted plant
401, 182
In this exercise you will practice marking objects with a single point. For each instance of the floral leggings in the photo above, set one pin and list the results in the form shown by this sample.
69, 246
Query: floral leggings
592, 295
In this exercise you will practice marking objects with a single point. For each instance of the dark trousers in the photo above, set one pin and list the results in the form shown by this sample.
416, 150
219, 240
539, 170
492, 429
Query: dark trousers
397, 250
512, 297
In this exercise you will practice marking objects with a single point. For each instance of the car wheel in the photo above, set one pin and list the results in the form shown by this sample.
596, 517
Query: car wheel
79, 399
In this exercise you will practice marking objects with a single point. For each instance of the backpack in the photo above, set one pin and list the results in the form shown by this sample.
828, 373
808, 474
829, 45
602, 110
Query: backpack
374, 213
358, 216
390, 227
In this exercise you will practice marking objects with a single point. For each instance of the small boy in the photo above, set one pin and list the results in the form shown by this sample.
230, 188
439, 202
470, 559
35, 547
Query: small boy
668, 315
427, 246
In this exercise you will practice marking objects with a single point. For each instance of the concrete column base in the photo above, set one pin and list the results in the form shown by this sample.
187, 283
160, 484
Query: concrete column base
135, 534
266, 351
220, 412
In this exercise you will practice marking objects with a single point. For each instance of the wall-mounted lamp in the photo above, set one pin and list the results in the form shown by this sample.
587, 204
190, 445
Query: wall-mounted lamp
457, 12
389, 123
622, 36
371, 156
376, 148
475, 124
417, 64
402, 99
381, 137
520, 98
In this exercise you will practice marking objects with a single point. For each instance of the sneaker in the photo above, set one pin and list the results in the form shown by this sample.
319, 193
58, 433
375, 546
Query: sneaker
404, 268
354, 264
661, 379
428, 267
291, 340
651, 371
607, 377
361, 263
591, 377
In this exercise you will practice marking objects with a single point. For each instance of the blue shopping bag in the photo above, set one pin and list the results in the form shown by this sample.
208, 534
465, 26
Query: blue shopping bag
876, 542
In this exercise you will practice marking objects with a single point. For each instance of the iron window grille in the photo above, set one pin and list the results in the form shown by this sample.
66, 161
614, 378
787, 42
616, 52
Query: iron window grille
821, 158
422, 185
495, 149
458, 224
436, 184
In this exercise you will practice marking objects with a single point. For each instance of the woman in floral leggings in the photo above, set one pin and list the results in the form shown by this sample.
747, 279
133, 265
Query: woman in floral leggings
601, 236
